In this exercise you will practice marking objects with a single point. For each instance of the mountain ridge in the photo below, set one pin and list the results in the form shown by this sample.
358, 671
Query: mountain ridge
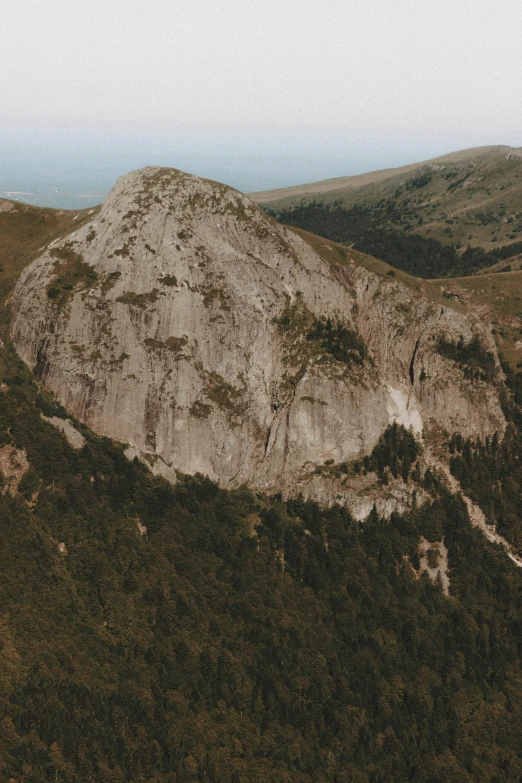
473, 197
371, 177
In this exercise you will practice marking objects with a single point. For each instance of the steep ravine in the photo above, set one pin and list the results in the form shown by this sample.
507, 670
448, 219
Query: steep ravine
176, 321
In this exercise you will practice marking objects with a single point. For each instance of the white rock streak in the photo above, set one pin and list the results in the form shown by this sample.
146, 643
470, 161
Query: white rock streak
403, 408
74, 438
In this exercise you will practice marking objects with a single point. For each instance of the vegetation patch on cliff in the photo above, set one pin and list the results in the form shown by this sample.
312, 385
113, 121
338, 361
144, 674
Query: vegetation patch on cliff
396, 451
124, 251
139, 300
341, 342
109, 282
174, 344
223, 394
476, 362
71, 273
168, 280
200, 410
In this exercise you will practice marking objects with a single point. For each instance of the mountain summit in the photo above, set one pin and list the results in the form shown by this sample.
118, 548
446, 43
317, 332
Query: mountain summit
185, 322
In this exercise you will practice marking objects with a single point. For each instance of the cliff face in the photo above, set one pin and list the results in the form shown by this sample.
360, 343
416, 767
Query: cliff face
180, 321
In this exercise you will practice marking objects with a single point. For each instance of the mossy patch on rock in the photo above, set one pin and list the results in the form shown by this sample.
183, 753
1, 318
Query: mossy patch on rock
71, 273
341, 342
138, 300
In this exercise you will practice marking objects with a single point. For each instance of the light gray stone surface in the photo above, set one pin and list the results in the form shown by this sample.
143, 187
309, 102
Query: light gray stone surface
74, 438
190, 343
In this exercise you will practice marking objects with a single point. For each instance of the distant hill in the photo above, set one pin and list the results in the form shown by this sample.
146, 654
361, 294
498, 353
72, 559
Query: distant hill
469, 199
478, 190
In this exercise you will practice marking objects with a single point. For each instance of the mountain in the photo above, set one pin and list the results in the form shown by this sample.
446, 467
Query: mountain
452, 215
185, 323
154, 632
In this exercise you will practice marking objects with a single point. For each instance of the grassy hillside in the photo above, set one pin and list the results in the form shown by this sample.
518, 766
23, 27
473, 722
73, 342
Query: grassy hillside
362, 228
453, 216
355, 182
24, 230
470, 198
159, 634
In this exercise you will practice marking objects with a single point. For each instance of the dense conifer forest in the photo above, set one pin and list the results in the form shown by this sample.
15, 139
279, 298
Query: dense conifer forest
241, 638
378, 230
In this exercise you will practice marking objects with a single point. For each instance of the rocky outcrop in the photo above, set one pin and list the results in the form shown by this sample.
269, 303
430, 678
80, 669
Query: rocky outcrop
434, 562
74, 438
179, 319
13, 467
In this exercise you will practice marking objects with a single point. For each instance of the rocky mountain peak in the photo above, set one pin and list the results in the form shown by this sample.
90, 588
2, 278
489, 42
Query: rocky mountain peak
186, 323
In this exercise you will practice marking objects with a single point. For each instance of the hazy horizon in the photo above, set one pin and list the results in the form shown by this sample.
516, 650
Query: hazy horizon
70, 171
278, 94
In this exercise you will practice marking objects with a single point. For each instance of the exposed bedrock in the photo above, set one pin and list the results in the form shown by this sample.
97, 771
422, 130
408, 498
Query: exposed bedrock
178, 321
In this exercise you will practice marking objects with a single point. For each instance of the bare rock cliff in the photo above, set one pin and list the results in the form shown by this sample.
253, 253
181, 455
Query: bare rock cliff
181, 321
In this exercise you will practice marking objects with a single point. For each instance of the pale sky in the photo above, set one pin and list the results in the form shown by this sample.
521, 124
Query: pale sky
386, 80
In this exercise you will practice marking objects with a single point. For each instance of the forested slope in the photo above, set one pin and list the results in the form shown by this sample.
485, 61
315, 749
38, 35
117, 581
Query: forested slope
469, 197
378, 231
241, 638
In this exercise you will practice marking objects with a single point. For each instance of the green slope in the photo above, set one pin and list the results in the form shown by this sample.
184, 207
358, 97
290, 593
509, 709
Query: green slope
369, 230
452, 216
472, 197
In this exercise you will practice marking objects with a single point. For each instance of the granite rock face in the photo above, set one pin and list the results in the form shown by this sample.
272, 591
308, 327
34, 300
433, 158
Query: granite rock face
177, 320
